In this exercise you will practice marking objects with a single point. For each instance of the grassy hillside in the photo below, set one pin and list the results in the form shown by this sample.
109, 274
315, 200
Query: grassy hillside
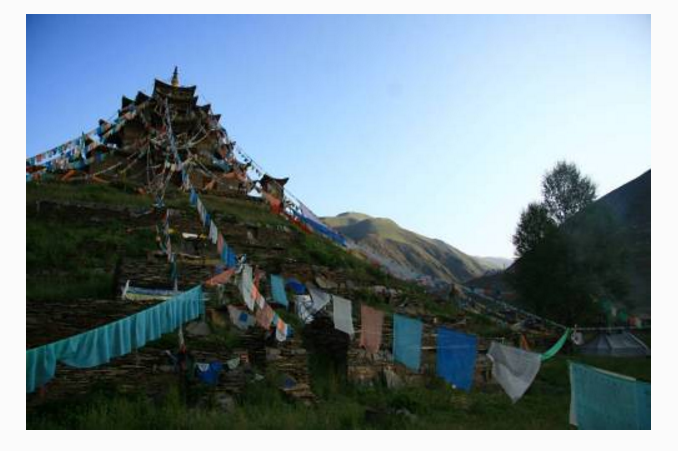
78, 238
427, 256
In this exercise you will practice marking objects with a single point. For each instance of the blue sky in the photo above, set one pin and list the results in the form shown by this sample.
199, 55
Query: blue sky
444, 124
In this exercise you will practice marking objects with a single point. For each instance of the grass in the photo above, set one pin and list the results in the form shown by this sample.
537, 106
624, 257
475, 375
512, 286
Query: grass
69, 243
85, 192
341, 406
84, 284
79, 251
242, 210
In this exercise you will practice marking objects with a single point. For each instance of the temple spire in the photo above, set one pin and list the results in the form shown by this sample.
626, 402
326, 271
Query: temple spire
175, 77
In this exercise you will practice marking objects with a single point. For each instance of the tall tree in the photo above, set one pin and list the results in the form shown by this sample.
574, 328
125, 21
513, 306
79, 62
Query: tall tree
566, 191
559, 272
533, 226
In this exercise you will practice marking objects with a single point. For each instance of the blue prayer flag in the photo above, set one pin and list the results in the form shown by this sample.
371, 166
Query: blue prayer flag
224, 254
211, 375
456, 357
231, 260
296, 286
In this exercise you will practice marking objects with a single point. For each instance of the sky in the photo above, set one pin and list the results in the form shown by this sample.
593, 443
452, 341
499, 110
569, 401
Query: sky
445, 124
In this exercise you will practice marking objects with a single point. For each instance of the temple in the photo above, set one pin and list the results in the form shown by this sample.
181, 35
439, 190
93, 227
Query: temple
136, 147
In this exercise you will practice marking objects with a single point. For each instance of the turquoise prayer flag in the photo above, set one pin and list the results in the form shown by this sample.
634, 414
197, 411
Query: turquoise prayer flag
100, 345
278, 290
604, 400
407, 341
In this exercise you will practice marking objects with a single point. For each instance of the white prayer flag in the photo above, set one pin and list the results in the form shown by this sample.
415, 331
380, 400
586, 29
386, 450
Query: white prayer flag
514, 369
343, 319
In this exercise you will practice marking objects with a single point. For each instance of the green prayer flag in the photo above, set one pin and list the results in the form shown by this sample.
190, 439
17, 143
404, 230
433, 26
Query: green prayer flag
556, 347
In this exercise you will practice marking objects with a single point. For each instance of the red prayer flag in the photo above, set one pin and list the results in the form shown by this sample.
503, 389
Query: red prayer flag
371, 322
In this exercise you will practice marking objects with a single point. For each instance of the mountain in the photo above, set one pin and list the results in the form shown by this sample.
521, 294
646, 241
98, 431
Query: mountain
496, 263
625, 214
428, 256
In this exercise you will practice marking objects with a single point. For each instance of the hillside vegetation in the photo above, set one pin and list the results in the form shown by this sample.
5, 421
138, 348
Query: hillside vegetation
623, 217
427, 256
100, 226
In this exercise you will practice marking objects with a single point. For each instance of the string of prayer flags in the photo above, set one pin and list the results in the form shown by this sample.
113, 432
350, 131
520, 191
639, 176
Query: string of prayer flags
371, 324
77, 148
407, 341
456, 357
514, 369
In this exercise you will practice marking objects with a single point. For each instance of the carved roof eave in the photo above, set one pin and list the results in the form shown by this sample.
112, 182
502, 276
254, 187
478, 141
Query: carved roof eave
175, 92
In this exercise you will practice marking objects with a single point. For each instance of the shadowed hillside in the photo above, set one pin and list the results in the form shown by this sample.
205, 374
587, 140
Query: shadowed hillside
625, 216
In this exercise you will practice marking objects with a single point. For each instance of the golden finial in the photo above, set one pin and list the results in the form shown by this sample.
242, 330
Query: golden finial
175, 77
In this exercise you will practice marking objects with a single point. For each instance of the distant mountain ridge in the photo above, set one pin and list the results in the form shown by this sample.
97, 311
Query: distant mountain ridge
500, 263
427, 256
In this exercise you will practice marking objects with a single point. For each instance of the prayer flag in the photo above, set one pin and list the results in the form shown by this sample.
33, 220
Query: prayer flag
342, 313
320, 298
456, 357
371, 323
278, 290
265, 316
514, 369
407, 341
221, 278
604, 400
247, 286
